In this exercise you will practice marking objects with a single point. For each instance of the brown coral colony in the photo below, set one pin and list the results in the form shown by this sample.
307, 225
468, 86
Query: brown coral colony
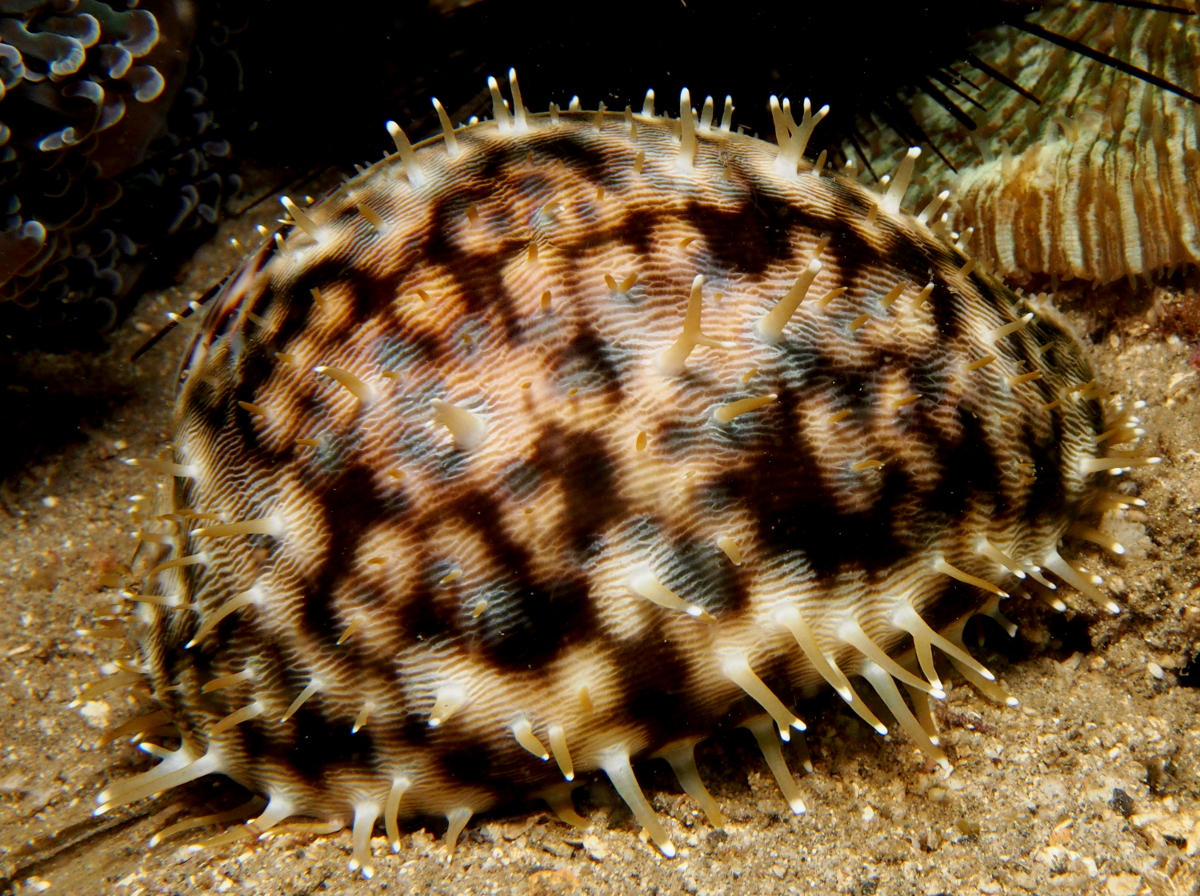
1097, 180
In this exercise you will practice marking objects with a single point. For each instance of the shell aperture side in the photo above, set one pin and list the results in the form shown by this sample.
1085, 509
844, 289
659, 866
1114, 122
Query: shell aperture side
568, 439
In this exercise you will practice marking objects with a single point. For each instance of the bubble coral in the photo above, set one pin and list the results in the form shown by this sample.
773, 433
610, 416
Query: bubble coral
88, 98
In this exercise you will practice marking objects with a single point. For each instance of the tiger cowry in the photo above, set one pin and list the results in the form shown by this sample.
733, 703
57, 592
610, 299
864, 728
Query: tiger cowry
563, 440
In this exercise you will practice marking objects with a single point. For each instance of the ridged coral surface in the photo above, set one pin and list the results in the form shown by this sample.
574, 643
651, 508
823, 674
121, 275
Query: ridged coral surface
570, 439
1099, 180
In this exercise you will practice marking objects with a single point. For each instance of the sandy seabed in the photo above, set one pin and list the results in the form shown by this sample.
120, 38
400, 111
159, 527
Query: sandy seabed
1090, 786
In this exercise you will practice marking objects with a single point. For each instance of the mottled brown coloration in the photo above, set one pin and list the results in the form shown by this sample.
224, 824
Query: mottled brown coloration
518, 477
1099, 181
